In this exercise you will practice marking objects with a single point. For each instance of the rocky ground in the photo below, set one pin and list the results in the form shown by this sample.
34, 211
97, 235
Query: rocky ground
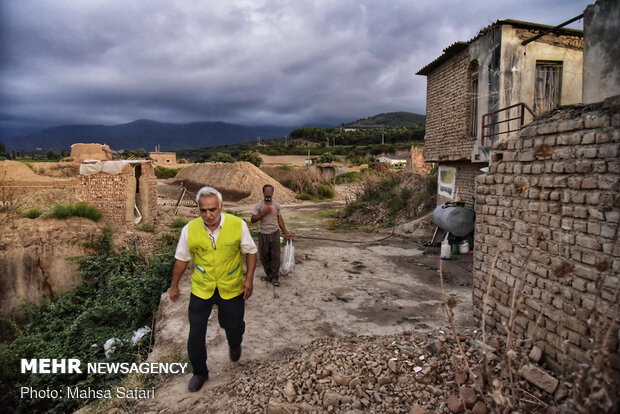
403, 373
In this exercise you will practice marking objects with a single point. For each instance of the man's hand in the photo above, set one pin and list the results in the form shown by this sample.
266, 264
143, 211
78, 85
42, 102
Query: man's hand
247, 288
173, 293
267, 210
288, 236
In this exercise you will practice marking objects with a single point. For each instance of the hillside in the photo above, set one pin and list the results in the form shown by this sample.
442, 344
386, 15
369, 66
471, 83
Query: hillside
388, 120
143, 134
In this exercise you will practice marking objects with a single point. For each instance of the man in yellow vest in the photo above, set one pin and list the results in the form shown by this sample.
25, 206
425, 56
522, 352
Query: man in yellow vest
215, 241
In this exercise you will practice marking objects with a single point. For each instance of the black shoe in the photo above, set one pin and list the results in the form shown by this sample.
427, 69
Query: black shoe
196, 382
235, 353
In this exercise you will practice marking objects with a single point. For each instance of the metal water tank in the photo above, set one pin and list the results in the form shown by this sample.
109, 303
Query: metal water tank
457, 220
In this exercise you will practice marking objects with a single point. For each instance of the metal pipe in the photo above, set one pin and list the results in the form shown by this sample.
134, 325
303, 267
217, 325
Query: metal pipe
553, 29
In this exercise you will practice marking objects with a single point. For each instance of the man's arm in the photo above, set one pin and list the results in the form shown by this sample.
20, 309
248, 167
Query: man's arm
177, 272
281, 224
248, 283
259, 216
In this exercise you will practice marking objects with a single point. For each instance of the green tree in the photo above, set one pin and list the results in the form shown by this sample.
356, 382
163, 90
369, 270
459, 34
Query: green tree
328, 157
221, 157
252, 157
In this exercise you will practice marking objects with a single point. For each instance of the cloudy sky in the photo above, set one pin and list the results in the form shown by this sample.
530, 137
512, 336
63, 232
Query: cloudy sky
284, 62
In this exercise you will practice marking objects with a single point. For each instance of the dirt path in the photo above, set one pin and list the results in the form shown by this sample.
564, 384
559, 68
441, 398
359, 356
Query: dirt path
336, 289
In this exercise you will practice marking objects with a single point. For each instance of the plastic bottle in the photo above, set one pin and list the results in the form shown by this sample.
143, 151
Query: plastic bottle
445, 250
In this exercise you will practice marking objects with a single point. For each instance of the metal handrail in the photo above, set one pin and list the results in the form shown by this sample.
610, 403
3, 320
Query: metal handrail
488, 123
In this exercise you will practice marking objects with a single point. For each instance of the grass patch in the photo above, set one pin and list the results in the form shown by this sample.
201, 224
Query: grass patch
146, 227
81, 209
165, 172
349, 177
32, 213
178, 223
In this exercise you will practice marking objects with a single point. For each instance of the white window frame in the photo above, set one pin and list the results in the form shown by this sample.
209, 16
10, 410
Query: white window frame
442, 186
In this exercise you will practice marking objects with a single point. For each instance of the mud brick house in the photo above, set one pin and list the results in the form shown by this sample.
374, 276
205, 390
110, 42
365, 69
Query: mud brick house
489, 87
164, 158
122, 190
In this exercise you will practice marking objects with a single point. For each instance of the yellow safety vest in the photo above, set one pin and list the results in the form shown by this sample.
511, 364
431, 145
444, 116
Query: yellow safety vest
219, 266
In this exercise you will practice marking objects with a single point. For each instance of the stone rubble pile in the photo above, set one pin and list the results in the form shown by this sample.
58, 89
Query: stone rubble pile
404, 373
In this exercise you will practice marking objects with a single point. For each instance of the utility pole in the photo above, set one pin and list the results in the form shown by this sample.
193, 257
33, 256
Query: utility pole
382, 139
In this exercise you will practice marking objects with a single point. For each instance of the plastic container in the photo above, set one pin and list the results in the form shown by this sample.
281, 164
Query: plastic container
455, 249
331, 224
464, 247
445, 250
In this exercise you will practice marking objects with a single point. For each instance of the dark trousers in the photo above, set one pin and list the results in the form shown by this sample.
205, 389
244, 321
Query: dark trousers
230, 315
269, 252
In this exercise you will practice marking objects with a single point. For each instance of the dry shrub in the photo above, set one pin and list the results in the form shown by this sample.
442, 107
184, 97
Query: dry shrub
299, 179
389, 197
7, 193
58, 170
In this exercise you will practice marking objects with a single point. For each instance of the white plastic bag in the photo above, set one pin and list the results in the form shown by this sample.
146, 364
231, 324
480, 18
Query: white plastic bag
110, 346
288, 264
139, 334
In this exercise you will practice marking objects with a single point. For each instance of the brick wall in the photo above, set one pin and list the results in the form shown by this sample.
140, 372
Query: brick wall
115, 195
550, 205
447, 112
465, 179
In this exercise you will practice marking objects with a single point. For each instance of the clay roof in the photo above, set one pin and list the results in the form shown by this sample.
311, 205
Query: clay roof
457, 47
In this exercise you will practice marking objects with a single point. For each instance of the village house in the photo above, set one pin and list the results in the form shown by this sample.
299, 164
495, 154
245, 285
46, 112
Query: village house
163, 158
486, 89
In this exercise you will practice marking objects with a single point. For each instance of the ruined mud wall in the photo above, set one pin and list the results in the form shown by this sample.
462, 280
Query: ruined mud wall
115, 195
81, 152
415, 161
548, 212
33, 259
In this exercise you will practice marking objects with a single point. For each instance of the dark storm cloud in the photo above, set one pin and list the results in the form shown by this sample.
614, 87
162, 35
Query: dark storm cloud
254, 62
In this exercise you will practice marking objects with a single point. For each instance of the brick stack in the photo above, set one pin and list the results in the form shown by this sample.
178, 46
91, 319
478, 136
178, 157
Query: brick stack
550, 204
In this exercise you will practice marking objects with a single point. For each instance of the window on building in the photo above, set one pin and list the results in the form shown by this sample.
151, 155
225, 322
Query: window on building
548, 86
446, 181
473, 75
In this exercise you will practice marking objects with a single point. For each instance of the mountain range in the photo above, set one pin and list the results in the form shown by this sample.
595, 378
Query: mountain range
143, 134
147, 134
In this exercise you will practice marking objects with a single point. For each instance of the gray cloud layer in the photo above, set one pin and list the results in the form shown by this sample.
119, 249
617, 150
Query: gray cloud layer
250, 61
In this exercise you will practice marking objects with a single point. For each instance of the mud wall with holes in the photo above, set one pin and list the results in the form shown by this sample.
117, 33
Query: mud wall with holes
115, 195
546, 241
34, 258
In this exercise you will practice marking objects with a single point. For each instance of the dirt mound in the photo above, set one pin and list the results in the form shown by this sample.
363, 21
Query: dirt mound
239, 181
15, 170
19, 172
